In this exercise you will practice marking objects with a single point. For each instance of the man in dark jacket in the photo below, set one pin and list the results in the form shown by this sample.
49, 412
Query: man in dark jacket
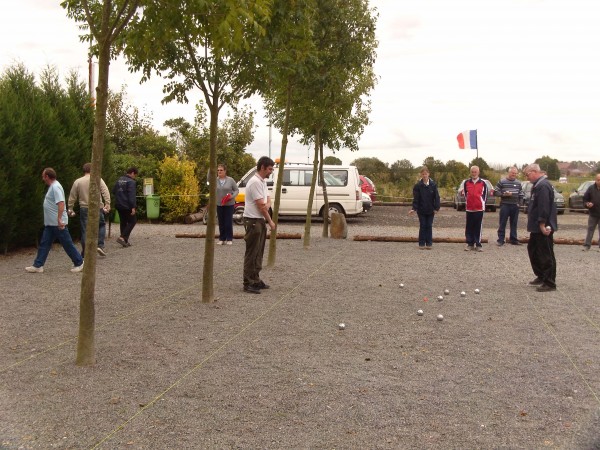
591, 200
124, 192
426, 202
541, 224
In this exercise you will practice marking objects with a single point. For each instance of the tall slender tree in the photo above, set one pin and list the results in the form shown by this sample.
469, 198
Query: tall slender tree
198, 44
105, 21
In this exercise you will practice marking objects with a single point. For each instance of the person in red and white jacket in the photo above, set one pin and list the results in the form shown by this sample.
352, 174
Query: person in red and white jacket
475, 192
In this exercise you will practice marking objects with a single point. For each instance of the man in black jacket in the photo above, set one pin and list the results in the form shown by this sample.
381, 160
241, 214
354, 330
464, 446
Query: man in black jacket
591, 200
541, 224
124, 192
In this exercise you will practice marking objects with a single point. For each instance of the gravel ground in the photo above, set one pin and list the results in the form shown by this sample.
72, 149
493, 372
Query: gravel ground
506, 368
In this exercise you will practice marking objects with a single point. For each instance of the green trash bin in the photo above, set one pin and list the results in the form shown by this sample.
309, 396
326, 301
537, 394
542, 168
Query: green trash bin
152, 206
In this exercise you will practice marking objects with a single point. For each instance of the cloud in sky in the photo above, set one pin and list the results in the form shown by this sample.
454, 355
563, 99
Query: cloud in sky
522, 72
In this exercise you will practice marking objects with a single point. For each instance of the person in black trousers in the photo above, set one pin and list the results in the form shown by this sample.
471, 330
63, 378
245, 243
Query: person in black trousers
124, 192
541, 224
426, 202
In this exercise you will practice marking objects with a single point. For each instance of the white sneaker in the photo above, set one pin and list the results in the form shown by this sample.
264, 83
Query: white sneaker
33, 269
77, 268
229, 242
101, 251
219, 243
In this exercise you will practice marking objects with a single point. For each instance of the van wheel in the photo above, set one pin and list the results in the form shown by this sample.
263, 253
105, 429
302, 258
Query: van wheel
335, 208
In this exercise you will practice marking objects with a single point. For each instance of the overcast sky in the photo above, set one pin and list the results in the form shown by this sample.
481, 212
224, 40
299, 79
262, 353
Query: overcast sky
524, 73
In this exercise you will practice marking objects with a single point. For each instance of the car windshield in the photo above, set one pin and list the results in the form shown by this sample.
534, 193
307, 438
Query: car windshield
584, 186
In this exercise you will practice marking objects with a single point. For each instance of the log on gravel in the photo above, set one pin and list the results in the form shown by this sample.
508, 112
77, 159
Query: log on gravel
448, 240
193, 218
239, 235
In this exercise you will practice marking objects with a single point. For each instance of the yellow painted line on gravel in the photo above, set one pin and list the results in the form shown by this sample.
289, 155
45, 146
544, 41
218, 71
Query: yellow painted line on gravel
215, 352
562, 347
588, 318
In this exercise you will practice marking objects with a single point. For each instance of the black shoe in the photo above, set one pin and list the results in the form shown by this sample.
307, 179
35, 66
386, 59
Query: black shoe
515, 243
252, 289
122, 241
500, 243
261, 285
536, 282
545, 288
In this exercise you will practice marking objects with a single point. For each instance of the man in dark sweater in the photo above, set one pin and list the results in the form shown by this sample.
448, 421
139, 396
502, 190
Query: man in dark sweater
541, 224
591, 200
511, 193
124, 192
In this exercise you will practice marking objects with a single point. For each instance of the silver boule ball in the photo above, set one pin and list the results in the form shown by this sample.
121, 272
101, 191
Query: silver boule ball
419, 312
401, 285
440, 317
446, 291
463, 294
477, 291
342, 326
440, 297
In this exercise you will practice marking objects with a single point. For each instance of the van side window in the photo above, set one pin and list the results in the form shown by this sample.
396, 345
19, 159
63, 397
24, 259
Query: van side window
335, 177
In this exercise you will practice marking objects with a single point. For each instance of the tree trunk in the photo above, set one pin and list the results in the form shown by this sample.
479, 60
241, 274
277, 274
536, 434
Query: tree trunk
312, 191
209, 248
325, 198
284, 140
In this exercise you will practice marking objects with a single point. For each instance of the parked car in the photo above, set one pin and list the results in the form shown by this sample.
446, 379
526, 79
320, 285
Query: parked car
459, 200
576, 198
368, 187
559, 199
367, 202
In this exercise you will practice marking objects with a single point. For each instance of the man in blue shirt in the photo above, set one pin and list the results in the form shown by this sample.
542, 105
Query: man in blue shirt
55, 225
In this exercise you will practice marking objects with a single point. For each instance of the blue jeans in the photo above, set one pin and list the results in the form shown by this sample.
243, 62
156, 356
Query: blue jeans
225, 217
49, 235
425, 230
511, 212
83, 219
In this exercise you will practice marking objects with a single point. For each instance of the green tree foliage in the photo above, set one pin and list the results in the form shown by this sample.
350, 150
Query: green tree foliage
178, 187
435, 166
332, 160
550, 166
373, 168
41, 125
402, 170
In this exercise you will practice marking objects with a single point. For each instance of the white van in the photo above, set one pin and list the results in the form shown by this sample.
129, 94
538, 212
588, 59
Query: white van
343, 190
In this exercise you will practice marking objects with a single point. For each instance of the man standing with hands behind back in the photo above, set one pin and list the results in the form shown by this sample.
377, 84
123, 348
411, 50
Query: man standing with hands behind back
541, 224
511, 193
256, 216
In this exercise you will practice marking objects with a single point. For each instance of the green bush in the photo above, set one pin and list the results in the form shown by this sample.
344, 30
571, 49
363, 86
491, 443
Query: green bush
179, 191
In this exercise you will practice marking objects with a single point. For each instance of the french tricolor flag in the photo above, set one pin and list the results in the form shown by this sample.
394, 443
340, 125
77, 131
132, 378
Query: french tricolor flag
467, 139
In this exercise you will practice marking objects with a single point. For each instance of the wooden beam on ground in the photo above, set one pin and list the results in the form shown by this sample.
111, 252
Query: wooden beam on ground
239, 235
449, 240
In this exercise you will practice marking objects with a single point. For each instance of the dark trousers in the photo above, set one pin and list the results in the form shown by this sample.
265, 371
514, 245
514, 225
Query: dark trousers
425, 229
541, 257
225, 217
508, 211
49, 235
593, 223
83, 219
473, 228
128, 221
255, 237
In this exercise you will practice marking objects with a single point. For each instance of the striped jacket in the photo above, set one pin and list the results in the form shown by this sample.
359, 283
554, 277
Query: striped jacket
514, 187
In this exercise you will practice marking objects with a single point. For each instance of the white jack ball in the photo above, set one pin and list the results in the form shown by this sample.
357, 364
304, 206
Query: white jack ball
440, 317
419, 312
342, 326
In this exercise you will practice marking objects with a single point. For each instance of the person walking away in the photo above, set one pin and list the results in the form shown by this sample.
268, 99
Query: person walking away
227, 190
426, 202
541, 225
55, 225
475, 192
80, 193
591, 200
256, 216
125, 202
510, 191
